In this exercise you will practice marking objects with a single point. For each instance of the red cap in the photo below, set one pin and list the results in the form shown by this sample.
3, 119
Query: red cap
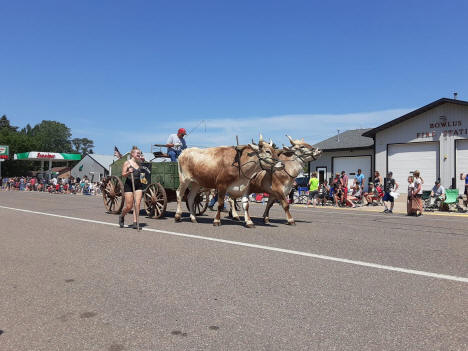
182, 131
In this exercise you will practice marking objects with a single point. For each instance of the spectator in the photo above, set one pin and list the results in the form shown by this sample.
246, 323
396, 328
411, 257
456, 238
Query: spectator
291, 193
437, 193
313, 189
336, 179
359, 179
390, 185
22, 184
377, 180
374, 194
356, 196
338, 194
344, 184
465, 178
323, 192
417, 193
344, 179
410, 201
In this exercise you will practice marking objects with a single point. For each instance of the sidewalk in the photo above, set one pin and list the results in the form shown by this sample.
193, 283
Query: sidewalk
399, 207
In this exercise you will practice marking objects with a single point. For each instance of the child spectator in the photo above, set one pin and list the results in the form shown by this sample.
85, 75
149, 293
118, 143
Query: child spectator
313, 189
323, 192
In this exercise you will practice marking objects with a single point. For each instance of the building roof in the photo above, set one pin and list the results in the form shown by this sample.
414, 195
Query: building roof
349, 139
104, 160
371, 133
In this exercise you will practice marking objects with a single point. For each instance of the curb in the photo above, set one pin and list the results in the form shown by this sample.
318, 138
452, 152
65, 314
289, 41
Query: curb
447, 214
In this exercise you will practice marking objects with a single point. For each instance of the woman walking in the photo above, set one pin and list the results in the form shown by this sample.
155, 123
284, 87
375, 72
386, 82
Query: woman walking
132, 192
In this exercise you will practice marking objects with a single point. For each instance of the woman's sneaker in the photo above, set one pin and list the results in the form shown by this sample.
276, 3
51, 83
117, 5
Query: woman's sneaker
133, 226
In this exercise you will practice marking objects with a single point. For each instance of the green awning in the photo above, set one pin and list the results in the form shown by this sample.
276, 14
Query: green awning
45, 156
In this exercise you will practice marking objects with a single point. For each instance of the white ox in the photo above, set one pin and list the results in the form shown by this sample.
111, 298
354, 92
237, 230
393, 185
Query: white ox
228, 169
279, 184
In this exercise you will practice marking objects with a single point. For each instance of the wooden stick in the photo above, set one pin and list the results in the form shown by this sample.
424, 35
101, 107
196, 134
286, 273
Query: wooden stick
134, 202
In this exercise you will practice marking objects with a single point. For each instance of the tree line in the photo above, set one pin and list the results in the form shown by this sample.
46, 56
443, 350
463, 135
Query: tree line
46, 136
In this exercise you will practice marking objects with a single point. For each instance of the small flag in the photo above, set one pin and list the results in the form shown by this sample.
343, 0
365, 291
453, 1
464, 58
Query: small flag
117, 152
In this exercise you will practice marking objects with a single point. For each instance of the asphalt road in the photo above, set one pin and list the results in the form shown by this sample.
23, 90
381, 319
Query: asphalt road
339, 280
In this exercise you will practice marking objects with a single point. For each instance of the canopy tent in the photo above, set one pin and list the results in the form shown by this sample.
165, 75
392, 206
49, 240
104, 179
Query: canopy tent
46, 156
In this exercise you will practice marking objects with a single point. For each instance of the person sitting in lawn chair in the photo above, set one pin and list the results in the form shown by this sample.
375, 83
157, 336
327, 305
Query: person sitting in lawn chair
374, 195
437, 194
355, 197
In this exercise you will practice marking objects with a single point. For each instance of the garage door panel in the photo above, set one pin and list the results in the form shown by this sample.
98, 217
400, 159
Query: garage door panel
462, 163
351, 164
403, 159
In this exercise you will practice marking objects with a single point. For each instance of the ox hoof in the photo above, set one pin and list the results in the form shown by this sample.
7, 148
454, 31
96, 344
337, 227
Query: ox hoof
266, 220
237, 218
291, 223
177, 218
250, 225
216, 224
194, 220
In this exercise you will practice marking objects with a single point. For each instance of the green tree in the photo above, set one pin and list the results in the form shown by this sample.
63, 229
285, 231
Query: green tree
46, 136
18, 142
5, 124
82, 145
52, 136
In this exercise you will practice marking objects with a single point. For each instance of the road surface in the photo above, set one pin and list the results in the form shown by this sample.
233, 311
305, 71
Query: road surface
71, 279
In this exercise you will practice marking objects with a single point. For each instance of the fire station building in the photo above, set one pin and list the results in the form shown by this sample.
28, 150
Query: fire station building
432, 139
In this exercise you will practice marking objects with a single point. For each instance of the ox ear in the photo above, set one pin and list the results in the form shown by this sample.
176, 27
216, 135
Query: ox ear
291, 140
254, 147
286, 148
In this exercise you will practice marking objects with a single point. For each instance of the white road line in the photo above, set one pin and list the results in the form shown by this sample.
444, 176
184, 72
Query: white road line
262, 247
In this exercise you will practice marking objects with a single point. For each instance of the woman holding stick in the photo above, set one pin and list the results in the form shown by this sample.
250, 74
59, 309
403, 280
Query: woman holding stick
133, 189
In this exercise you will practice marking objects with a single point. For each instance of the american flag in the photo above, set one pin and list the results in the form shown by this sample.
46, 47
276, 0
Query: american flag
117, 152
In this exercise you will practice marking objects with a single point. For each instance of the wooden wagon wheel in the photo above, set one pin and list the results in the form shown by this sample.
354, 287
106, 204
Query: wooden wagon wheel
112, 194
201, 203
155, 200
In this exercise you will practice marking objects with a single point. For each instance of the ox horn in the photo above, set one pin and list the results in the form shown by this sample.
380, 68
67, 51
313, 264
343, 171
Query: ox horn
271, 142
261, 138
291, 140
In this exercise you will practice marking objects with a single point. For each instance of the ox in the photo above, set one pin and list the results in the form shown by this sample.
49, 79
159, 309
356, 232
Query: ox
279, 184
226, 169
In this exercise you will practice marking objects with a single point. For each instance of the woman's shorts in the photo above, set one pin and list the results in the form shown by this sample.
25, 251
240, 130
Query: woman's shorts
313, 194
128, 187
388, 197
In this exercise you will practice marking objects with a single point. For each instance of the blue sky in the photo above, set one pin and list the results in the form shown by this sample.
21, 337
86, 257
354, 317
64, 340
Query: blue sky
130, 72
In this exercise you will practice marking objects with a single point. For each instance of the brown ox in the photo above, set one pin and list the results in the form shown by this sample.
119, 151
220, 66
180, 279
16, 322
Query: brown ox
226, 169
279, 184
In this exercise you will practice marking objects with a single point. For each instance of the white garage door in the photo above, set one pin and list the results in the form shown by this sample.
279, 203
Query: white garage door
403, 159
462, 163
351, 164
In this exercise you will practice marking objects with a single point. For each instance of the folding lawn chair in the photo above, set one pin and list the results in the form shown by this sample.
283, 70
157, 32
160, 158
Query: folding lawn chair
451, 200
426, 198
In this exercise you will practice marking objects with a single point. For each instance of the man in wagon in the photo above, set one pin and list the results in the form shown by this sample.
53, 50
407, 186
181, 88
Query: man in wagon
175, 144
